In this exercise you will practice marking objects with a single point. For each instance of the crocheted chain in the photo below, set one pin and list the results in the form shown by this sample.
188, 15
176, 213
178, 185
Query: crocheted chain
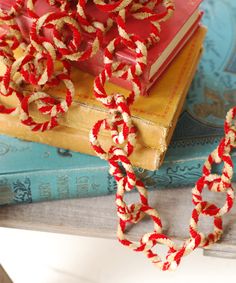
36, 70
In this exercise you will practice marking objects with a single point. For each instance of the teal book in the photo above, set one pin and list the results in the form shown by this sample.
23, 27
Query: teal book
31, 172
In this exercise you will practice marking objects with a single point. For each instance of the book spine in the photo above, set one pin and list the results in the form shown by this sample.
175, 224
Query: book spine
176, 174
37, 186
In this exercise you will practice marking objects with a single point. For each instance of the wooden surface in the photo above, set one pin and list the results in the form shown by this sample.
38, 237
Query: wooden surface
4, 278
97, 217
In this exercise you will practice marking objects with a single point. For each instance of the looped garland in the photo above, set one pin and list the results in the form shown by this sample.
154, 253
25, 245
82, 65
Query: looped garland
28, 76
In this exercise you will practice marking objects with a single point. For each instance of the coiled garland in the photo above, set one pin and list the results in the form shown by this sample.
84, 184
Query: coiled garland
37, 68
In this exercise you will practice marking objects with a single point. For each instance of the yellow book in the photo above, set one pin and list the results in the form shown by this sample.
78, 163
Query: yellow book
155, 116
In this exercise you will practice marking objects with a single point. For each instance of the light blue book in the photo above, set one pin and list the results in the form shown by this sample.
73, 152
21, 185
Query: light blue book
31, 172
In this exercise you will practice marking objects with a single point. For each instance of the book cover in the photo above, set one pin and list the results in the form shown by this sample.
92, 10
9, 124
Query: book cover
154, 116
212, 93
213, 90
174, 35
31, 172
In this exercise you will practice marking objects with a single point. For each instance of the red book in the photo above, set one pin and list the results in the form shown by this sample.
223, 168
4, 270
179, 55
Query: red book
174, 34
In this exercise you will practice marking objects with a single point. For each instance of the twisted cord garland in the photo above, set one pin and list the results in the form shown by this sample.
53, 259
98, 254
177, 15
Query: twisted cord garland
28, 76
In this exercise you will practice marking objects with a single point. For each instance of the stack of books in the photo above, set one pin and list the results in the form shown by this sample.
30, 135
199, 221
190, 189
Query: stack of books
63, 166
175, 33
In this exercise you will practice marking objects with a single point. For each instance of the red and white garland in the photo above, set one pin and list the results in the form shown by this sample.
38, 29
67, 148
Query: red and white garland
37, 68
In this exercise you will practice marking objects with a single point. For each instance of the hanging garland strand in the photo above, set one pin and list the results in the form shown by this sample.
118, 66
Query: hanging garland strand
37, 68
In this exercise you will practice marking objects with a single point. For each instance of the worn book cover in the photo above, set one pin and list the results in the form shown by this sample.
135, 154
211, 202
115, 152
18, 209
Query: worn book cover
212, 93
155, 116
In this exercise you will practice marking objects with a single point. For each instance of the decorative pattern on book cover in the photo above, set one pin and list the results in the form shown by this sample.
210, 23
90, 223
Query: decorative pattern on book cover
213, 90
54, 174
